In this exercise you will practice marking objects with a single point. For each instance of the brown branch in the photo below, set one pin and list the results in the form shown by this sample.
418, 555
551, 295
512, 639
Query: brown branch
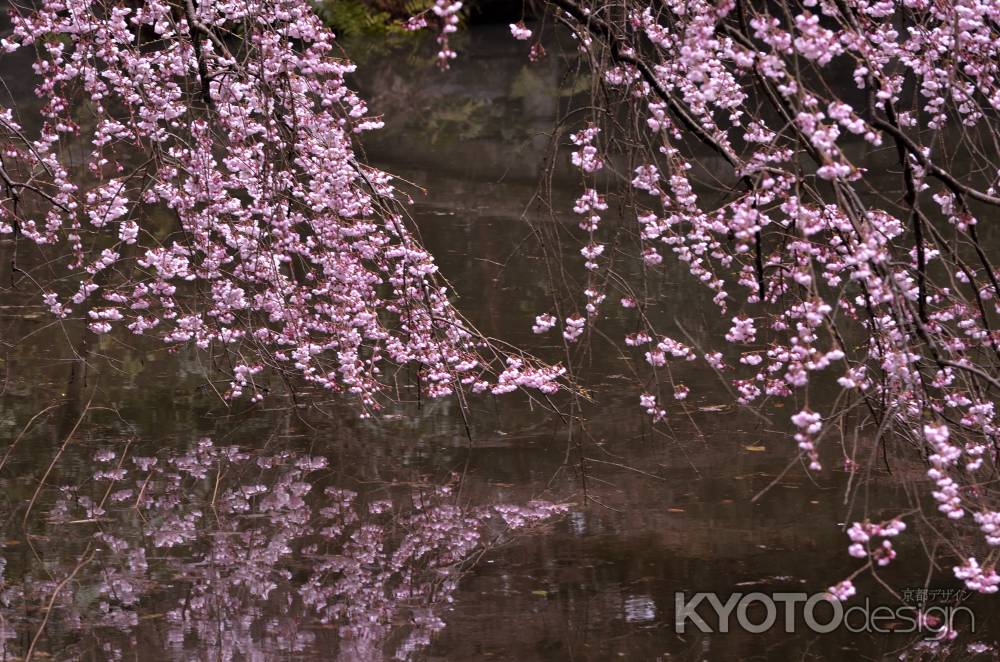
956, 187
195, 26
52, 599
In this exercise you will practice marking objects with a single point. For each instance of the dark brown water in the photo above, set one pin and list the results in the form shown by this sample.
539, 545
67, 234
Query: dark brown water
300, 532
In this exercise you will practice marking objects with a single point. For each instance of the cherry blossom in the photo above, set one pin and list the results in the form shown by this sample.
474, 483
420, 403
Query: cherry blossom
285, 252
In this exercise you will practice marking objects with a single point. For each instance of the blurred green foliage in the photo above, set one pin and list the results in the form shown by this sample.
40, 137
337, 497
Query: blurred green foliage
352, 19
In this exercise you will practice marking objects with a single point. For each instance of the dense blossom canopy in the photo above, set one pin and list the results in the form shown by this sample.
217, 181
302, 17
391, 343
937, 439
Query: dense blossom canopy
823, 168
208, 149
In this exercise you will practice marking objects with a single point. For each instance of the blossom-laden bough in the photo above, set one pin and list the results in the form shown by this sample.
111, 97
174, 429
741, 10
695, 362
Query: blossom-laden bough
823, 167
195, 176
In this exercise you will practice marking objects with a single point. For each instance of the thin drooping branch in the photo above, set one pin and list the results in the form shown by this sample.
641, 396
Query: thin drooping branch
851, 278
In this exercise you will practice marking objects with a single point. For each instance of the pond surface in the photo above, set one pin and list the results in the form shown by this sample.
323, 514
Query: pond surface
145, 519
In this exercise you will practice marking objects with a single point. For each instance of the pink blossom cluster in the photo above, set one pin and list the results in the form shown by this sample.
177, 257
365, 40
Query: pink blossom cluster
742, 144
213, 196
976, 578
861, 534
809, 424
447, 13
842, 591
648, 402
519, 31
944, 456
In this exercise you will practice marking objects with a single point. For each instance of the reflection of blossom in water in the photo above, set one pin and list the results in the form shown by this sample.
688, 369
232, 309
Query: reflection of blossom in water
253, 557
639, 609
9, 596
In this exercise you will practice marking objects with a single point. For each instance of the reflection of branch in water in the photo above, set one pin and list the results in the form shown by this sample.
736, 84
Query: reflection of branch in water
284, 559
55, 594
27, 426
55, 460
